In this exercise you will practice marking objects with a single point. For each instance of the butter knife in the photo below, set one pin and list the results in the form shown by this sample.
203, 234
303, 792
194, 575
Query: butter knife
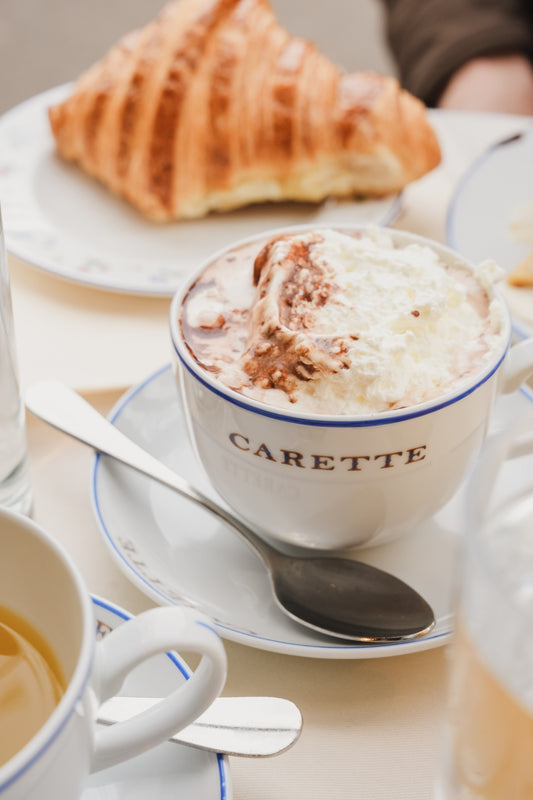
235, 726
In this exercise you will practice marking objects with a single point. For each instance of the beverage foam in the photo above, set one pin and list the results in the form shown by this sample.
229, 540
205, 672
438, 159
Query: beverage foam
336, 323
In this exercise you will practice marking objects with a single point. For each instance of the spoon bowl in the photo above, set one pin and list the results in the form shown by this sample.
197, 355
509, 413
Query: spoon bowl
335, 596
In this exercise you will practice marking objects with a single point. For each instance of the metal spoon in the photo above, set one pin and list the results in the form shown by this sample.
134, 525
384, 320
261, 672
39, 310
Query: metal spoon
336, 596
236, 726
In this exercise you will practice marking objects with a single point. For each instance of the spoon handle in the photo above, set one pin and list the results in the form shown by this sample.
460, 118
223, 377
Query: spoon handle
236, 726
332, 604
67, 411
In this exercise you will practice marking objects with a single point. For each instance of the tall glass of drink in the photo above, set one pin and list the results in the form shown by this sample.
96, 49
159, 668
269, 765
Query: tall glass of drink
15, 489
489, 735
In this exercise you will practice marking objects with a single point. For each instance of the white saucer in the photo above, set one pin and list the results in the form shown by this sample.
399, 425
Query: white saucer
167, 772
175, 552
60, 220
489, 195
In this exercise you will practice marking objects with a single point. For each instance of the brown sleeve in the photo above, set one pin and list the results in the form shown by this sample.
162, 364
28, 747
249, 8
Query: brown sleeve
431, 39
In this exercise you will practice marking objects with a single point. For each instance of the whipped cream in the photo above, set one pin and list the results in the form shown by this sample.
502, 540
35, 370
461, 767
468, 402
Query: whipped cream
337, 323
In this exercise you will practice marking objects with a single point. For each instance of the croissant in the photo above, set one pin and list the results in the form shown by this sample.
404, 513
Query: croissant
522, 274
214, 105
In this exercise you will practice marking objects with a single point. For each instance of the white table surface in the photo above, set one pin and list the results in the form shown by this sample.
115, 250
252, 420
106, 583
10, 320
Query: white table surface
372, 728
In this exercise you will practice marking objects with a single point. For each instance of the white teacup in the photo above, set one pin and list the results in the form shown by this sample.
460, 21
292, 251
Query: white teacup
334, 482
39, 583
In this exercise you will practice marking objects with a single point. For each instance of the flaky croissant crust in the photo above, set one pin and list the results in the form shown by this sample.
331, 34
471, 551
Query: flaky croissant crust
214, 105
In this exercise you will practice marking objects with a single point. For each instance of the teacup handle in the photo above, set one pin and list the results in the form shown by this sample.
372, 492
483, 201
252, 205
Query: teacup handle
513, 442
139, 638
518, 366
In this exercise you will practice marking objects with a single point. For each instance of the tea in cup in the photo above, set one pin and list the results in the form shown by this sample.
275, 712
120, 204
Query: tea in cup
31, 682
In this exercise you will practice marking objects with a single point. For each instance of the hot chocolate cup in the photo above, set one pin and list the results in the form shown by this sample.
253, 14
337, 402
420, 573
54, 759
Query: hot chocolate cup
337, 481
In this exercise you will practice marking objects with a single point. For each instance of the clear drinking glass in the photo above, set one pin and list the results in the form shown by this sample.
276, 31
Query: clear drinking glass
15, 488
489, 730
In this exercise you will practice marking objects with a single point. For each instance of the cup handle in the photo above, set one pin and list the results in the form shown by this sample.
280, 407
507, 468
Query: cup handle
139, 638
513, 442
518, 366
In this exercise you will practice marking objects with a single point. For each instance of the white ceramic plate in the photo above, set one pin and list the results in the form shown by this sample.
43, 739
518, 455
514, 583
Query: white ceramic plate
167, 772
62, 221
494, 188
175, 552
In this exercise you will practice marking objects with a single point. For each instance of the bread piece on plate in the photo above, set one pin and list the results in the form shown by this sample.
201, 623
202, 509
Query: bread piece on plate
522, 274
213, 106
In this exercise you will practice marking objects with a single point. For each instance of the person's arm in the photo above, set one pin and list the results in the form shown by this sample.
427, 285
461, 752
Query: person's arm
432, 39
494, 83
